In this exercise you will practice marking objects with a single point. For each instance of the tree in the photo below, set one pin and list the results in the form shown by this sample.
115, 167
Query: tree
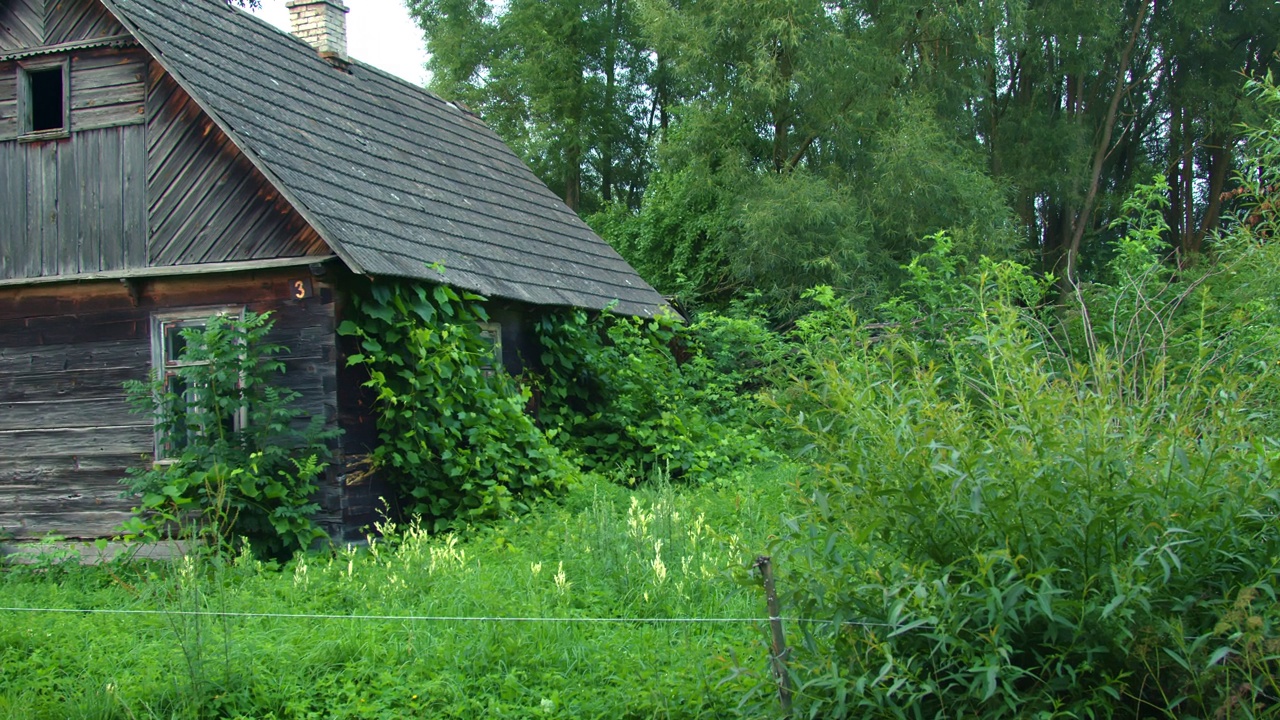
565, 82
1083, 101
803, 152
1005, 122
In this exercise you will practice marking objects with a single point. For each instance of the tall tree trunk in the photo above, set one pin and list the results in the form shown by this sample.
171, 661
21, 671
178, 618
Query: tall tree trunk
573, 176
1219, 171
662, 94
1053, 234
608, 136
1188, 178
782, 110
1173, 213
1084, 217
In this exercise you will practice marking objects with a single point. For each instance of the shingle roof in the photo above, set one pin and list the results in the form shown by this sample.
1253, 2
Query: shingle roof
393, 177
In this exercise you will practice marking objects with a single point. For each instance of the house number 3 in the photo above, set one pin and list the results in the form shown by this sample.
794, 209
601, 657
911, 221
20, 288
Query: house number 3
299, 289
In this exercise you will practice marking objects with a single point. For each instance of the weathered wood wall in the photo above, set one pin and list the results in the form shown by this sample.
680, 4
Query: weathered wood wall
66, 432
145, 180
78, 205
37, 23
206, 201
108, 88
75, 206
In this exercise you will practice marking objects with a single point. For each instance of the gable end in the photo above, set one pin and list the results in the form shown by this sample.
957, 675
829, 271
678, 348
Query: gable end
28, 24
206, 202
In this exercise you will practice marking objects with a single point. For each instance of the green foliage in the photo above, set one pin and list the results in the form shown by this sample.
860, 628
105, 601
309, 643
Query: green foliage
568, 84
923, 179
604, 552
245, 462
454, 438
613, 391
675, 241
1009, 125
1259, 193
1016, 528
717, 225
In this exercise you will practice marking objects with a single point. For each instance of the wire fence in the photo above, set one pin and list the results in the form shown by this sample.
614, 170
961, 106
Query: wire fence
451, 618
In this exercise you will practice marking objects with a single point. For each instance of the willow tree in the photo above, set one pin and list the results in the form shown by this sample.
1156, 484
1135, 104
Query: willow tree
565, 82
803, 151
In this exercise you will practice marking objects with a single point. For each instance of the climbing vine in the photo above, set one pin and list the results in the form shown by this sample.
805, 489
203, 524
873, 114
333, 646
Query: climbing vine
454, 438
458, 440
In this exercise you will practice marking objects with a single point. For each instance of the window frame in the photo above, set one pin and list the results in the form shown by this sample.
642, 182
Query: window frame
163, 369
491, 332
25, 118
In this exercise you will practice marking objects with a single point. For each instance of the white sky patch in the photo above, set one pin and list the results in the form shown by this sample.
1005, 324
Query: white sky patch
379, 32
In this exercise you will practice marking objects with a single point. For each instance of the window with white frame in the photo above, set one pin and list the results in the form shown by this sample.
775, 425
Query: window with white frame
183, 417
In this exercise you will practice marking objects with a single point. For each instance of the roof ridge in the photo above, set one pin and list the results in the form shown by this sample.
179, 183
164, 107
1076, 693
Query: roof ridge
389, 174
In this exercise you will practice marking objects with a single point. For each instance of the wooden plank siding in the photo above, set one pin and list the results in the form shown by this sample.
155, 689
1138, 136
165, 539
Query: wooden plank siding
8, 100
67, 435
108, 88
21, 24
144, 180
206, 201
28, 24
68, 205
74, 20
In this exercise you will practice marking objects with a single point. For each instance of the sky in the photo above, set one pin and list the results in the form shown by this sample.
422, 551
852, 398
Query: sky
379, 32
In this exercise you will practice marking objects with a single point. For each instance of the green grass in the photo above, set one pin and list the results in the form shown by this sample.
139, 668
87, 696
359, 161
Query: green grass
601, 552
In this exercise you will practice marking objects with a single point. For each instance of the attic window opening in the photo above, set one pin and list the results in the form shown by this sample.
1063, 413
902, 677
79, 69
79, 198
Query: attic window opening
44, 99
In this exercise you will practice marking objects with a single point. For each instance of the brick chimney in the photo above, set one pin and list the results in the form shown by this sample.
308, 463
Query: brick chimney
323, 24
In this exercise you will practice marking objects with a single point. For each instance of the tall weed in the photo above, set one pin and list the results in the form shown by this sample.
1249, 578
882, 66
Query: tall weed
1010, 517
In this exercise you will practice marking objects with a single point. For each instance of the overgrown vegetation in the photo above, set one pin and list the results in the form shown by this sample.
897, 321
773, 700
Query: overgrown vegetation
454, 439
1026, 513
242, 460
602, 552
1016, 502
613, 392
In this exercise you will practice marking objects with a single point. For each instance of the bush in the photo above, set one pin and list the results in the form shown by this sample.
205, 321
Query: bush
454, 438
614, 393
1009, 517
254, 478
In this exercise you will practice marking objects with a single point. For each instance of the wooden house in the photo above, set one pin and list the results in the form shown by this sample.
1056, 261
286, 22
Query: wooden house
163, 160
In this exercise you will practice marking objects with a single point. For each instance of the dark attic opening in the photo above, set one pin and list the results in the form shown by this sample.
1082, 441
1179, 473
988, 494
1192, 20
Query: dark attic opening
45, 102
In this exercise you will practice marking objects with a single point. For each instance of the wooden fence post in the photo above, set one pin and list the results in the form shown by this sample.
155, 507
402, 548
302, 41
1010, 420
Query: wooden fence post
779, 654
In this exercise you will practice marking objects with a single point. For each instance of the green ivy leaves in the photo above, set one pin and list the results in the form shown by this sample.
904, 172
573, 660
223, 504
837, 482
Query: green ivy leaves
454, 440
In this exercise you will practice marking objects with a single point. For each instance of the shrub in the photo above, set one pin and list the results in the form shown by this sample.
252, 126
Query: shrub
454, 438
613, 392
1011, 517
252, 478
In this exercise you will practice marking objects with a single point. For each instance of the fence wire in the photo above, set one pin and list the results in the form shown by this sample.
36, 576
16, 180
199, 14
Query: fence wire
452, 618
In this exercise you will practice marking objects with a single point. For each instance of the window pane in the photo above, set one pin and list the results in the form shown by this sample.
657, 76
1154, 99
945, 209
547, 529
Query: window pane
174, 343
190, 412
178, 395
